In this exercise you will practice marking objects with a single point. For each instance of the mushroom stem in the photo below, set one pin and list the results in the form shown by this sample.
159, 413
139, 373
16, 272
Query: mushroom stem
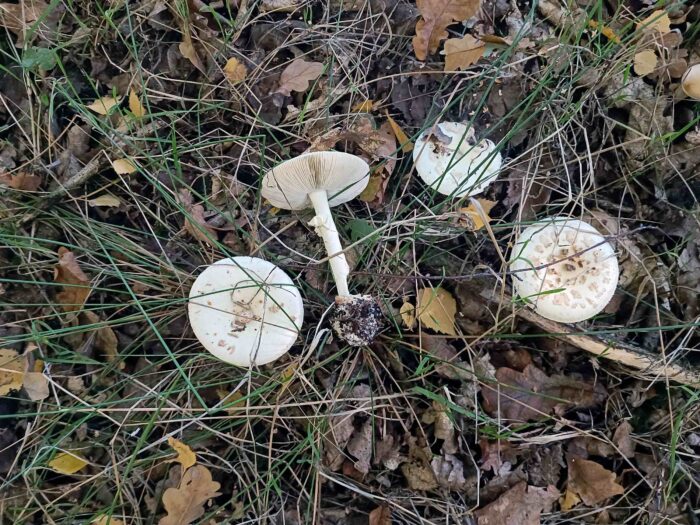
325, 228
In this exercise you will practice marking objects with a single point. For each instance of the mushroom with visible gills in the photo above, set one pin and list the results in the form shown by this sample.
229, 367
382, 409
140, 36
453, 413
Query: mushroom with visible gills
451, 161
320, 180
565, 269
245, 311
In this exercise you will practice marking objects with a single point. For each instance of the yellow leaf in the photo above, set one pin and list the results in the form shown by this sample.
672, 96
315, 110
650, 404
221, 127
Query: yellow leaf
232, 399
185, 456
103, 106
605, 30
106, 200
107, 520
645, 62
68, 272
123, 166
363, 107
188, 50
235, 71
401, 137
408, 314
437, 309
11, 371
185, 504
68, 463
569, 501
374, 186
475, 219
135, 105
657, 21
460, 53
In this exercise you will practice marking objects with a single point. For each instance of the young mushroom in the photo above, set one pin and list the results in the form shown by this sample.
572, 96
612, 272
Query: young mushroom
320, 180
565, 269
450, 160
245, 311
691, 82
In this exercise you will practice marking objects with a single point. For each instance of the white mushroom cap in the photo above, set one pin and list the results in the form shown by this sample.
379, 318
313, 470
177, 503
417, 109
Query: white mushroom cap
245, 311
691, 82
450, 162
576, 269
342, 175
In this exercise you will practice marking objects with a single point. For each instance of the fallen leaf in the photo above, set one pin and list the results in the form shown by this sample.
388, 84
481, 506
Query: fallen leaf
11, 371
373, 188
436, 15
645, 62
185, 503
363, 107
460, 53
68, 463
297, 76
623, 439
102, 106
282, 6
360, 446
36, 385
475, 219
107, 520
608, 32
195, 223
185, 456
401, 137
522, 504
235, 71
23, 181
233, 401
123, 166
188, 50
105, 341
106, 200
449, 473
437, 309
20, 17
657, 21
419, 477
532, 395
380, 516
135, 105
69, 273
591, 482
408, 315
448, 364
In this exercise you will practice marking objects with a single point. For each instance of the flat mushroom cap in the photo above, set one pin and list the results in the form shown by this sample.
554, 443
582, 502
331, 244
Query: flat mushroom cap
451, 163
342, 175
585, 282
245, 311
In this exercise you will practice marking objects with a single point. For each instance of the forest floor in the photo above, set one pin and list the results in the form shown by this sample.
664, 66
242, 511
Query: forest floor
133, 139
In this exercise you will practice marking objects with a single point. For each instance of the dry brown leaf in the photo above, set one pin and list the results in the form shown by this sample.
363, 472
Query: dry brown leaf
591, 482
106, 200
623, 439
235, 70
186, 503
195, 223
23, 181
533, 395
12, 366
103, 105
36, 385
188, 50
380, 516
408, 315
437, 309
475, 221
185, 456
419, 477
522, 504
460, 53
657, 21
297, 76
282, 6
135, 105
69, 273
436, 15
373, 188
107, 520
363, 107
105, 341
68, 463
19, 17
233, 400
123, 166
645, 62
401, 137
360, 446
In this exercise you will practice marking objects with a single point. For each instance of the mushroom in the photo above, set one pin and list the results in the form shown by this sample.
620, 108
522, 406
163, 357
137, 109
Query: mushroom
320, 180
690, 82
245, 311
565, 269
452, 162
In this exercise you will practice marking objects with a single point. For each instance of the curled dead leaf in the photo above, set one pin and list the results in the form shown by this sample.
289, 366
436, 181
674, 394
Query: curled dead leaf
436, 15
76, 287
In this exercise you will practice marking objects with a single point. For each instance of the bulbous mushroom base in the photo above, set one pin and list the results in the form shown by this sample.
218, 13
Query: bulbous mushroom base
356, 319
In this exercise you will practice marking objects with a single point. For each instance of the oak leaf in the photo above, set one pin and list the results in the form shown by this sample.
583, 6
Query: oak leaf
69, 273
297, 76
436, 15
522, 504
591, 482
657, 21
460, 53
185, 456
437, 309
185, 504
